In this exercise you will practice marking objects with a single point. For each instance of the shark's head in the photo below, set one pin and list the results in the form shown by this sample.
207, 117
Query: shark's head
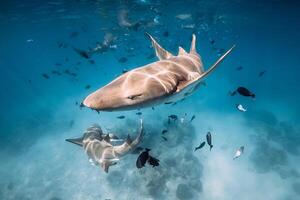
123, 93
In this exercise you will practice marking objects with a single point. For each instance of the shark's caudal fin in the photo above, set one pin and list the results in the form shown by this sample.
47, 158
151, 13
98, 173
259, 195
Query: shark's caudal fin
77, 141
216, 63
160, 52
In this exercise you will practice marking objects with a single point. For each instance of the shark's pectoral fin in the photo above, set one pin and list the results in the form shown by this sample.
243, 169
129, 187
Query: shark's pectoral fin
215, 64
160, 52
105, 166
77, 141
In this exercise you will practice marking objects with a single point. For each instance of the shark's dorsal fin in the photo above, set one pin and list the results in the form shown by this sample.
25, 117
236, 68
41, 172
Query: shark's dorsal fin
181, 51
160, 52
193, 44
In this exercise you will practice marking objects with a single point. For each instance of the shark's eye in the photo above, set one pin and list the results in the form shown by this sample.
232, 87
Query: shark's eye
133, 97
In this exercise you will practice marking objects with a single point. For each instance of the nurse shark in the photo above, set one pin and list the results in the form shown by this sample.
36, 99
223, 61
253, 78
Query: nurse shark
100, 149
170, 79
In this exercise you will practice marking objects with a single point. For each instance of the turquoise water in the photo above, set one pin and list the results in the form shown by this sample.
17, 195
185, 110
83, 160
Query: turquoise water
39, 112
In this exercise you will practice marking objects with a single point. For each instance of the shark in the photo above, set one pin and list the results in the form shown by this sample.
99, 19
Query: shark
100, 147
170, 79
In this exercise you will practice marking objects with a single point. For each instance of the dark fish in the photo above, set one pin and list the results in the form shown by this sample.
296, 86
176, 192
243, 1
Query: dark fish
239, 68
56, 72
174, 117
163, 137
166, 34
76, 103
209, 140
152, 108
67, 71
245, 92
73, 34
61, 44
58, 64
122, 60
45, 76
153, 161
92, 62
73, 74
193, 117
124, 71
200, 146
142, 159
71, 123
121, 117
164, 131
262, 73
145, 157
212, 41
138, 113
87, 87
82, 53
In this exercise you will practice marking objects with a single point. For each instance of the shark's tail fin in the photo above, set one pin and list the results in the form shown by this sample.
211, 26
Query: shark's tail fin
77, 141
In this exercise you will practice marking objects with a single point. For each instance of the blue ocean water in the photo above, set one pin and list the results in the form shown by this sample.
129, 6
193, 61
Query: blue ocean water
43, 81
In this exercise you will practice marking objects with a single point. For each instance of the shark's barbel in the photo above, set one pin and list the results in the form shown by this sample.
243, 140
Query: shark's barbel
170, 79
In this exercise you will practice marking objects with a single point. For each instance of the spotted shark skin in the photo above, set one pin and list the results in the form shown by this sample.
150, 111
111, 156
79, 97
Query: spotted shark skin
171, 78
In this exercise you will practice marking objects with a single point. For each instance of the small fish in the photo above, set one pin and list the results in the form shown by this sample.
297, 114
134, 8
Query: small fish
87, 87
29, 40
209, 140
45, 76
73, 74
82, 53
66, 71
193, 117
92, 62
174, 117
56, 72
183, 16
239, 68
163, 137
139, 113
164, 131
245, 92
239, 152
58, 64
211, 41
241, 108
166, 34
262, 73
122, 60
200, 146
73, 34
121, 117
142, 158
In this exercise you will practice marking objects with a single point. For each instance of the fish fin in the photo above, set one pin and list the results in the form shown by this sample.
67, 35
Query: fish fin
216, 63
105, 166
181, 51
77, 141
193, 44
160, 52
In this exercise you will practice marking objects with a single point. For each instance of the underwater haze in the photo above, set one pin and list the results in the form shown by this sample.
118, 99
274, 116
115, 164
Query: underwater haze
54, 53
